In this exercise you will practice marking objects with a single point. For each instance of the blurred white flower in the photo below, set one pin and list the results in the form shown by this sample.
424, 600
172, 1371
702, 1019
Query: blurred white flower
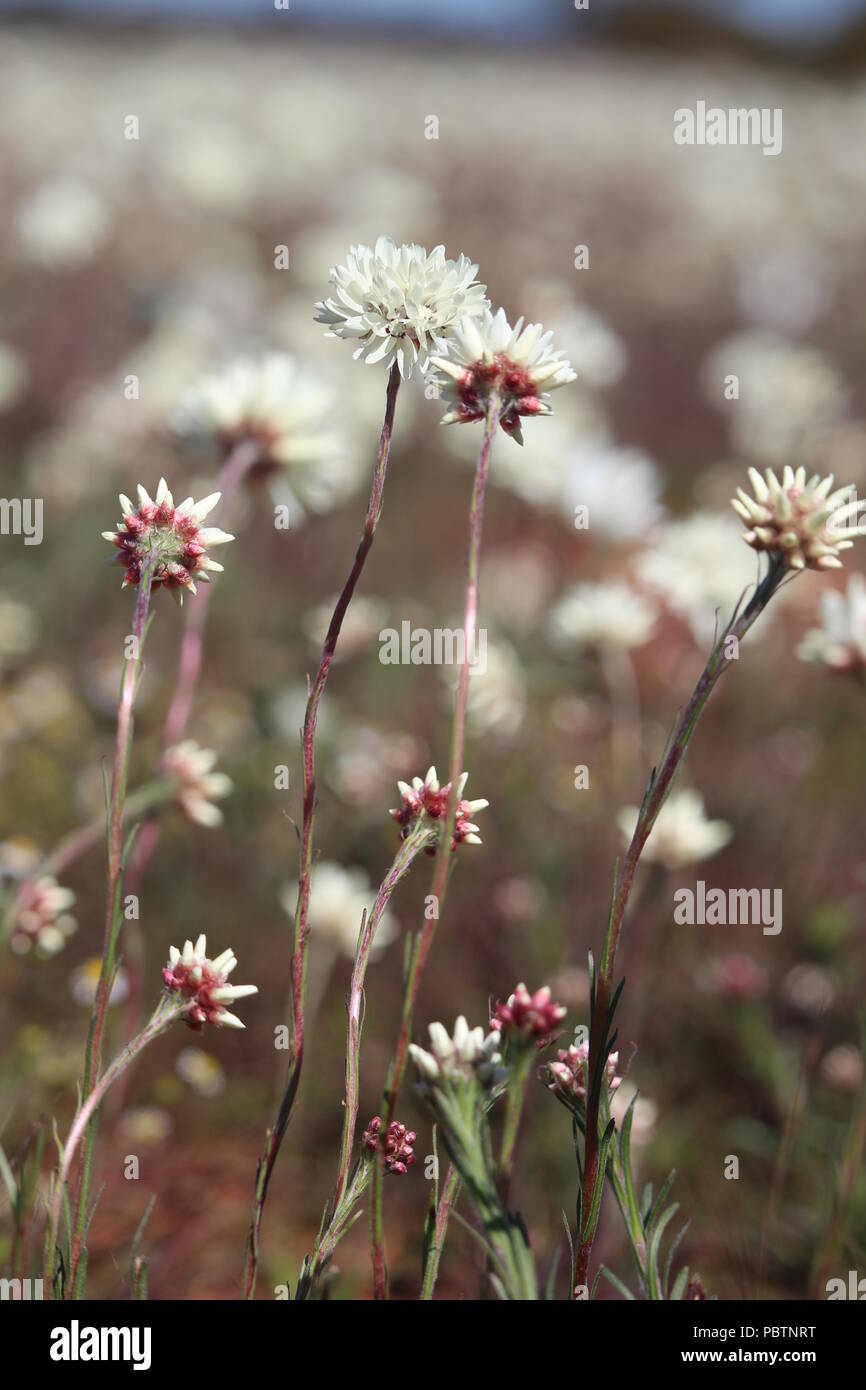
840, 641
364, 619
198, 785
644, 1115
497, 692
699, 565
201, 1071
61, 223
338, 898
399, 303
366, 761
842, 1068
789, 395
41, 919
146, 1124
84, 980
620, 488
595, 350
290, 413
487, 355
682, 834
602, 615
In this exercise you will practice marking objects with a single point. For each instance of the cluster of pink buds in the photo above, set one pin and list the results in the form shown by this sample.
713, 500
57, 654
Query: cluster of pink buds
396, 1145
568, 1074
528, 1015
427, 798
170, 537
203, 982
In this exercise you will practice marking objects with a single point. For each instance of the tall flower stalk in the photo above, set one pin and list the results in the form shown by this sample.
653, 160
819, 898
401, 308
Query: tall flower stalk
275, 1134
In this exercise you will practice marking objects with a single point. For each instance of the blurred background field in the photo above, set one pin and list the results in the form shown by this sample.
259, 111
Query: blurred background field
154, 258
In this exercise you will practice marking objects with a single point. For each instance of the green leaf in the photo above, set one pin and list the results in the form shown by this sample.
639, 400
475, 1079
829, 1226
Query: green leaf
670, 1259
653, 1283
679, 1287
660, 1200
570, 1252
617, 1283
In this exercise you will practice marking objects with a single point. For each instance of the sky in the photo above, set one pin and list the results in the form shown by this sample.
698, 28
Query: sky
803, 20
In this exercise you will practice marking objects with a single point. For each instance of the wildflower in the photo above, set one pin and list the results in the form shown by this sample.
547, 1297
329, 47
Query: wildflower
397, 1144
41, 918
619, 488
197, 784
288, 413
427, 798
338, 899
398, 302
842, 1068
203, 983
489, 355
698, 567
603, 615
171, 536
470, 1053
736, 976
200, 1071
682, 834
530, 1015
804, 523
840, 641
84, 982
146, 1124
567, 1076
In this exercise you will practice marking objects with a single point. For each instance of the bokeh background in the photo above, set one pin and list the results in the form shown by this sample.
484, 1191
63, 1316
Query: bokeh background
154, 258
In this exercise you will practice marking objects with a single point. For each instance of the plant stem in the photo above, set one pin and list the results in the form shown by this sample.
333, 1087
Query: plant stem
274, 1137
424, 938
164, 1015
409, 849
660, 784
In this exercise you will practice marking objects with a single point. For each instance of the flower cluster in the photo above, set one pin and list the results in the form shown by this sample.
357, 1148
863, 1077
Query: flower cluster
399, 302
840, 641
805, 523
203, 983
567, 1076
396, 1144
488, 356
41, 918
428, 798
197, 784
170, 537
528, 1015
469, 1054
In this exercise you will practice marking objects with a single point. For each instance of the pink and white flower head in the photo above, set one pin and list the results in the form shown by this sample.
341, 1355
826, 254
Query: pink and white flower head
805, 523
568, 1074
469, 1053
171, 536
428, 799
41, 920
204, 983
530, 1016
198, 785
399, 303
396, 1143
488, 355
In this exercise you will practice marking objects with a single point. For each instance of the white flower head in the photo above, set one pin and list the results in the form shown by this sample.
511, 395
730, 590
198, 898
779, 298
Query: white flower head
698, 567
488, 355
198, 785
400, 303
840, 641
204, 983
468, 1053
338, 899
805, 523
682, 834
288, 412
170, 537
609, 615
